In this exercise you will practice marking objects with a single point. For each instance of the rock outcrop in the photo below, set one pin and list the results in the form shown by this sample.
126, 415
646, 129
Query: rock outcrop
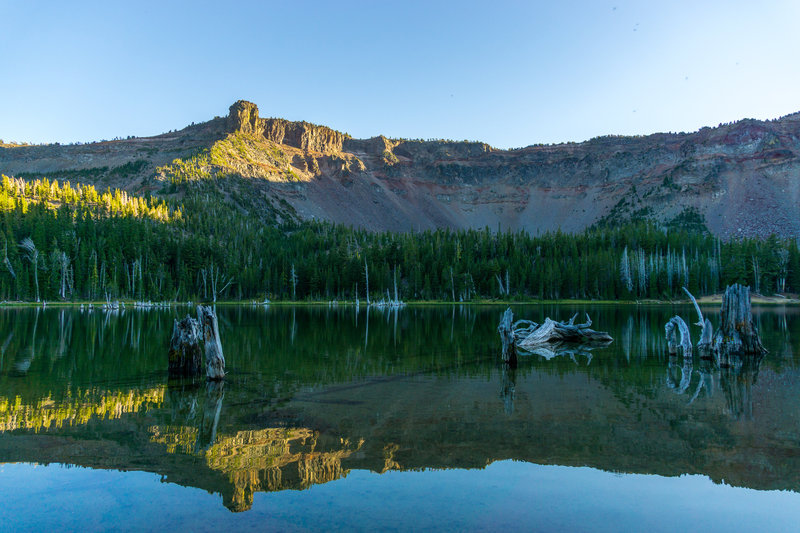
243, 117
740, 179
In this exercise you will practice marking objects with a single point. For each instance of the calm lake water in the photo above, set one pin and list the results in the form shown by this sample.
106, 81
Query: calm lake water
395, 420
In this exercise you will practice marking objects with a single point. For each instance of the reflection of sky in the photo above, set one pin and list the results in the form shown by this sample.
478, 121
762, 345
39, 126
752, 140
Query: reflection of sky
506, 495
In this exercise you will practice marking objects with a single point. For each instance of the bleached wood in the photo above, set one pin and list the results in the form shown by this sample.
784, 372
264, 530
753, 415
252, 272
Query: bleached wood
677, 333
551, 331
215, 360
737, 333
506, 330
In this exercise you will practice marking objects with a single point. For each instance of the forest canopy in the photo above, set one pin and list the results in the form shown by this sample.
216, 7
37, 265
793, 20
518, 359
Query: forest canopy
71, 242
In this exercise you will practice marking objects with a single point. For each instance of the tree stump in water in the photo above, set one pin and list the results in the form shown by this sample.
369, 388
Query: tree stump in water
678, 336
184, 348
215, 361
548, 339
705, 344
552, 332
506, 330
737, 333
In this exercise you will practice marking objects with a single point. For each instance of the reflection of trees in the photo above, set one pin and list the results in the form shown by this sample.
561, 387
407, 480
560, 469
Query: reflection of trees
736, 381
79, 408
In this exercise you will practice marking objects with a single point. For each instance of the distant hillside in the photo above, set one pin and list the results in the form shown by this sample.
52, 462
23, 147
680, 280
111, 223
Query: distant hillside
740, 179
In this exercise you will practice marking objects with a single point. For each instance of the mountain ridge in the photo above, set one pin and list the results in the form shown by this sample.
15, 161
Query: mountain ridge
742, 178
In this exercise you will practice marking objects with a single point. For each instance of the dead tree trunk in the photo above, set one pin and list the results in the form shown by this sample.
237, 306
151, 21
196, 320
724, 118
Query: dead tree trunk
705, 344
215, 361
737, 334
678, 336
552, 332
506, 330
184, 348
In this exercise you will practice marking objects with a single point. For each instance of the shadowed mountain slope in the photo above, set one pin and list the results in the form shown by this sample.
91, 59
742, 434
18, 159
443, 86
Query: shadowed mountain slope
742, 179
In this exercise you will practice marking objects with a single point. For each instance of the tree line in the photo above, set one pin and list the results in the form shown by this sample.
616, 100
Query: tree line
65, 242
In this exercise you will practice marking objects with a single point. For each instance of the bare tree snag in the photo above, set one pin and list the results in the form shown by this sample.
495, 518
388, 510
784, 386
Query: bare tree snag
506, 330
215, 361
677, 333
184, 348
704, 345
737, 333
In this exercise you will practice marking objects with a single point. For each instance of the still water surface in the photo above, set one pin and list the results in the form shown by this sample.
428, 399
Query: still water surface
400, 420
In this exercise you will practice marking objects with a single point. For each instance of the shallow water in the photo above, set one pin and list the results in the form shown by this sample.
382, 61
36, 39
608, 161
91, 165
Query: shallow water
397, 420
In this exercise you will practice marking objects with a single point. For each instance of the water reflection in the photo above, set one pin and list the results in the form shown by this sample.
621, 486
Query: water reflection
315, 392
736, 381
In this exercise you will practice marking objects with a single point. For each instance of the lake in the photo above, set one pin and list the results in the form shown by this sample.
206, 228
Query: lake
404, 419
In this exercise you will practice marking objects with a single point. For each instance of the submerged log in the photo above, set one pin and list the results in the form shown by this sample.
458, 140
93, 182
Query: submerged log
184, 348
550, 339
506, 330
677, 333
215, 361
553, 332
737, 333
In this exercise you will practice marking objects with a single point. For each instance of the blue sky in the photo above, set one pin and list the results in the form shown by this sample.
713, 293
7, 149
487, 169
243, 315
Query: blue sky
507, 73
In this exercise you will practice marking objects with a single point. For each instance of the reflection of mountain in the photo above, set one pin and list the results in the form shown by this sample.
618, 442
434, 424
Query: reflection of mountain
267, 460
429, 404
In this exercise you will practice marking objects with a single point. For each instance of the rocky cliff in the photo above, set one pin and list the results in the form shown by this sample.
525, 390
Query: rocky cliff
741, 178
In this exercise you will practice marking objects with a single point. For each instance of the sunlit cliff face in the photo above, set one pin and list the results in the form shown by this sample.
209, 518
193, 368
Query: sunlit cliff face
264, 460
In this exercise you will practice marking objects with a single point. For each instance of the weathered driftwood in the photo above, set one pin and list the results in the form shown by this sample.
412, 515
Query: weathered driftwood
548, 340
677, 333
737, 333
553, 332
506, 330
184, 348
215, 361
185, 351
704, 345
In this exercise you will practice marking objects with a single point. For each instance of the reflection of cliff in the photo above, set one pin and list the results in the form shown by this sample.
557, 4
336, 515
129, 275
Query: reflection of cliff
424, 395
85, 405
268, 459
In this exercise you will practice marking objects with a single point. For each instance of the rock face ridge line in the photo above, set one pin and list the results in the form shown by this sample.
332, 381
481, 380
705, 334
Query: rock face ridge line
243, 117
740, 179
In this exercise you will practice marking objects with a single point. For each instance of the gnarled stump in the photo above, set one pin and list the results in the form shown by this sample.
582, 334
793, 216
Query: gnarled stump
677, 333
737, 333
506, 330
215, 361
705, 344
184, 348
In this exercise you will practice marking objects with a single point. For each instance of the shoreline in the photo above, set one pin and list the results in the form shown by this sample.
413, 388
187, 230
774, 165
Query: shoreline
713, 299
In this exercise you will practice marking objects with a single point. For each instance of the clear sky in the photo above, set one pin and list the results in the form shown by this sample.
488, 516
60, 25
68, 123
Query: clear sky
507, 73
